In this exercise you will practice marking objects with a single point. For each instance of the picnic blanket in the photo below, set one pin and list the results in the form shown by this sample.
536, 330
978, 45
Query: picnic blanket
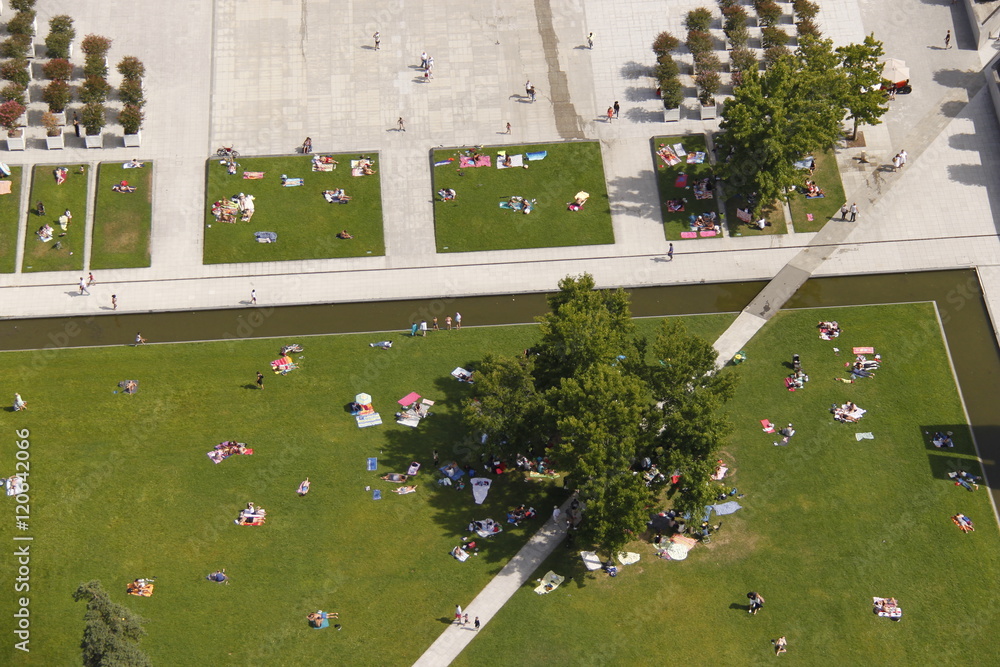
679, 150
320, 166
468, 162
460, 554
628, 557
864, 436
725, 508
864, 350
462, 374
666, 154
696, 158
292, 182
453, 473
266, 237
516, 206
409, 399
804, 163
444, 163
403, 490
5, 187
549, 583
414, 468
253, 175
678, 547
536, 155
364, 421
681, 181
515, 161
372, 463
590, 560
14, 485
132, 165
768, 426
408, 419
720, 472
485, 527
376, 494
61, 173
480, 489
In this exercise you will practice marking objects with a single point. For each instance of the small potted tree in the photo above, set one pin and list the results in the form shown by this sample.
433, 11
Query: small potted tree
131, 118
131, 68
94, 90
708, 81
16, 70
10, 119
93, 121
671, 90
58, 95
59, 42
16, 46
54, 138
13, 91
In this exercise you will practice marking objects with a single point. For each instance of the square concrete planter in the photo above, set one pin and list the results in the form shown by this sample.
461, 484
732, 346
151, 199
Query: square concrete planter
711, 112
16, 143
55, 143
94, 141
671, 115
133, 140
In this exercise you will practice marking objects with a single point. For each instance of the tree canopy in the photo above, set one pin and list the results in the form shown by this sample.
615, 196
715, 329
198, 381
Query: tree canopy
112, 632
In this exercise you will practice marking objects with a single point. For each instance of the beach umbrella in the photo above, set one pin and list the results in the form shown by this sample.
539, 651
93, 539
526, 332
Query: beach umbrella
363, 399
895, 70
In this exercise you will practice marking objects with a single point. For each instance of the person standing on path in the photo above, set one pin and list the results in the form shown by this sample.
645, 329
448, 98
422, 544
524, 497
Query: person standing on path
843, 211
531, 93
508, 128
611, 113
897, 162
114, 302
378, 40
423, 328
555, 514
83, 286
458, 320
458, 613
90, 279
434, 324
947, 40
253, 297
260, 380
76, 123
616, 108
477, 624
854, 211
902, 157
527, 88
401, 127
590, 41
465, 620
447, 322
413, 329
756, 602
670, 253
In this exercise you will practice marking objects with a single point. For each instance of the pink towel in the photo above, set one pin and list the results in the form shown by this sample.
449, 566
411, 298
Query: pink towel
681, 181
689, 235
705, 234
466, 161
483, 161
253, 175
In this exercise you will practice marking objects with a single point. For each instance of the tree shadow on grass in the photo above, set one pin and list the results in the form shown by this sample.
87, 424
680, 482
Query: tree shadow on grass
944, 460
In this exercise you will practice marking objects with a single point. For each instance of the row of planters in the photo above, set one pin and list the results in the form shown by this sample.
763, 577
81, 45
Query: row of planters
59, 92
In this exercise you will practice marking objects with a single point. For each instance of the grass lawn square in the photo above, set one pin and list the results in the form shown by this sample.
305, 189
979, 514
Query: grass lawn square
828, 522
72, 195
666, 179
772, 214
306, 224
827, 178
474, 220
122, 219
10, 217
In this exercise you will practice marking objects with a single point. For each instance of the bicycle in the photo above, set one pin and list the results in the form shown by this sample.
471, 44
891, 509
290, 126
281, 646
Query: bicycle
227, 152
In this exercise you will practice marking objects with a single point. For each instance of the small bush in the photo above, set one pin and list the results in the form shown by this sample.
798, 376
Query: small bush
57, 45
13, 91
57, 95
699, 19
734, 16
738, 35
742, 60
59, 69
16, 70
10, 113
663, 44
699, 42
95, 66
22, 5
52, 124
131, 118
773, 36
728, 4
672, 93
62, 25
92, 117
132, 69
95, 45
22, 24
804, 9
708, 62
130, 93
708, 84
808, 27
768, 12
15, 46
94, 90
774, 54
666, 68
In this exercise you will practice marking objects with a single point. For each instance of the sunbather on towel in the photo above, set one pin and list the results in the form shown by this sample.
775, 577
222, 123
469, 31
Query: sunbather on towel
394, 477
403, 490
343, 234
123, 187
337, 196
382, 345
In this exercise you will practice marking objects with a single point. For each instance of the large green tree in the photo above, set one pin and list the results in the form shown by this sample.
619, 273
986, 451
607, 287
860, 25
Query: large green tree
866, 103
506, 407
112, 632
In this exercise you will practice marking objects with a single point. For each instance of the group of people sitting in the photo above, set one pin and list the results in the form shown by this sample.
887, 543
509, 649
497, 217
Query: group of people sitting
964, 523
321, 619
521, 204
251, 516
578, 202
797, 380
703, 189
812, 191
283, 365
887, 608
828, 330
123, 186
141, 587
520, 513
224, 450
969, 481
675, 205
45, 232
226, 210
849, 412
324, 163
485, 528
705, 222
863, 367
337, 196
447, 194
942, 440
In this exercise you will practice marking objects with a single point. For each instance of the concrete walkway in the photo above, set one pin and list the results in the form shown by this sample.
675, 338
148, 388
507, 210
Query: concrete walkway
489, 601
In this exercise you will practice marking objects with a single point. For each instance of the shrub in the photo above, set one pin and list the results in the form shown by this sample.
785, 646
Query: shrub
804, 9
734, 16
94, 66
728, 4
57, 45
768, 12
62, 25
92, 117
13, 91
16, 70
57, 95
10, 112
672, 93
22, 23
708, 62
742, 60
699, 19
15, 46
663, 44
738, 35
132, 69
94, 90
131, 118
95, 45
52, 124
699, 42
59, 69
130, 93
22, 5
708, 84
774, 54
807, 27
773, 36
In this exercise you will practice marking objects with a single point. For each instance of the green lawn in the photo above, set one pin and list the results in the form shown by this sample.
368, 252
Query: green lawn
827, 177
306, 225
72, 195
122, 220
772, 214
828, 523
10, 217
666, 179
475, 221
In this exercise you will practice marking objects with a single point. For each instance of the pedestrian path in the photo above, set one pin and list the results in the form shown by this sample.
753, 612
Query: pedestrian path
500, 589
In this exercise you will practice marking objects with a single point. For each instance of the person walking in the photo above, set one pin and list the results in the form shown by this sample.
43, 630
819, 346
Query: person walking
139, 340
423, 328
555, 514
854, 211
413, 329
401, 127
611, 113
477, 624
902, 158
76, 123
527, 88
508, 128
465, 620
756, 602
590, 41
114, 302
90, 279
531, 93
458, 613
616, 108
260, 380
253, 297
83, 286
947, 40
843, 211
423, 60
458, 320
670, 253
378, 40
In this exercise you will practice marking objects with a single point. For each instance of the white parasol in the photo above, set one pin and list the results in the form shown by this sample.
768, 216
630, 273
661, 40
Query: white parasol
363, 399
895, 70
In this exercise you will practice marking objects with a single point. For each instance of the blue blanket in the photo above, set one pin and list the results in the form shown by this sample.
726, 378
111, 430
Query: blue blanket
455, 476
372, 463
